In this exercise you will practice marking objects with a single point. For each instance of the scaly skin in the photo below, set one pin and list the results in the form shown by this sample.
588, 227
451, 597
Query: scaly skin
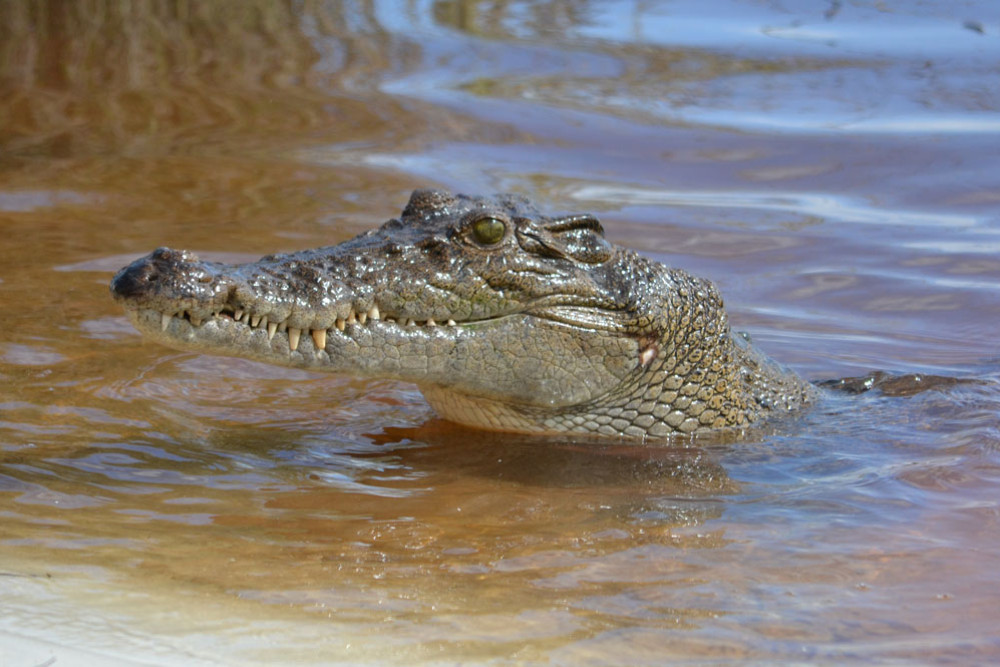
506, 319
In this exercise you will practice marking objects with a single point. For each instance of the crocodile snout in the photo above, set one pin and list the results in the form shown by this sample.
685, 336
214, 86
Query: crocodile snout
136, 278
161, 273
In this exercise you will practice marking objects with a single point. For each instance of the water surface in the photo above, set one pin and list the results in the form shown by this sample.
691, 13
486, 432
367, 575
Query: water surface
833, 168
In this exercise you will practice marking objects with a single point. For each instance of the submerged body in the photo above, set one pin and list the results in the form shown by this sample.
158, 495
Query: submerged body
504, 318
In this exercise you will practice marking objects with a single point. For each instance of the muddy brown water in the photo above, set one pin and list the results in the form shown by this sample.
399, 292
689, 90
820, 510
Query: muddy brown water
833, 168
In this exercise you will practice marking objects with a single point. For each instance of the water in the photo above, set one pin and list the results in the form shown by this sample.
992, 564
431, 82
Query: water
833, 168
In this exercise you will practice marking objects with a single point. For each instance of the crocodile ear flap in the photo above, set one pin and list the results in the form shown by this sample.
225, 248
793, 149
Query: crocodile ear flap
579, 237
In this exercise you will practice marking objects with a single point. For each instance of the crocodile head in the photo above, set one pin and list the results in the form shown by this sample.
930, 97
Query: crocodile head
505, 318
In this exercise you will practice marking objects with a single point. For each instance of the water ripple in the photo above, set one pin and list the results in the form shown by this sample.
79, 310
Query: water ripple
828, 207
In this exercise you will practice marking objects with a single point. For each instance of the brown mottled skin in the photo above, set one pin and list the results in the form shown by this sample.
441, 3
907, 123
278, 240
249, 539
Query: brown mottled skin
505, 318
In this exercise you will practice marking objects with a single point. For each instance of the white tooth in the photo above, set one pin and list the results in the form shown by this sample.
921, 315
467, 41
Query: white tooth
238, 315
254, 321
165, 321
373, 313
390, 320
293, 338
451, 323
319, 337
362, 317
431, 322
410, 322
352, 318
341, 324
246, 318
195, 321
272, 327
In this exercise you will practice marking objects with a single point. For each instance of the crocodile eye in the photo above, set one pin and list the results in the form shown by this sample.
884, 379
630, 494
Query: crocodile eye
488, 231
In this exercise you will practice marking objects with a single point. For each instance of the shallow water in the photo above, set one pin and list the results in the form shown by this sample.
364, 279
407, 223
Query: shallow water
832, 168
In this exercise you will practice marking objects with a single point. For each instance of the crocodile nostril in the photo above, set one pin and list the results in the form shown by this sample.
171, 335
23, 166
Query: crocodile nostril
135, 279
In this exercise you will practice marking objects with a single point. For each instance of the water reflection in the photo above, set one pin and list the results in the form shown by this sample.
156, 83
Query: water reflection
678, 470
85, 80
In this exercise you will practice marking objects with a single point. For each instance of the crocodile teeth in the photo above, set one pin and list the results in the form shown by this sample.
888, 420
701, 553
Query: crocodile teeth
410, 322
254, 321
431, 322
452, 323
165, 321
272, 327
195, 321
293, 338
341, 324
238, 315
246, 318
319, 337
352, 318
362, 317
373, 313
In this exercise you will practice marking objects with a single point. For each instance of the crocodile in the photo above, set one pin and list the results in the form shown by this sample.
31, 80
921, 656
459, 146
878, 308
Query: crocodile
506, 319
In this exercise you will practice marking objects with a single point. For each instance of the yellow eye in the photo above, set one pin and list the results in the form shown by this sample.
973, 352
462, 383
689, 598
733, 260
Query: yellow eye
488, 231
